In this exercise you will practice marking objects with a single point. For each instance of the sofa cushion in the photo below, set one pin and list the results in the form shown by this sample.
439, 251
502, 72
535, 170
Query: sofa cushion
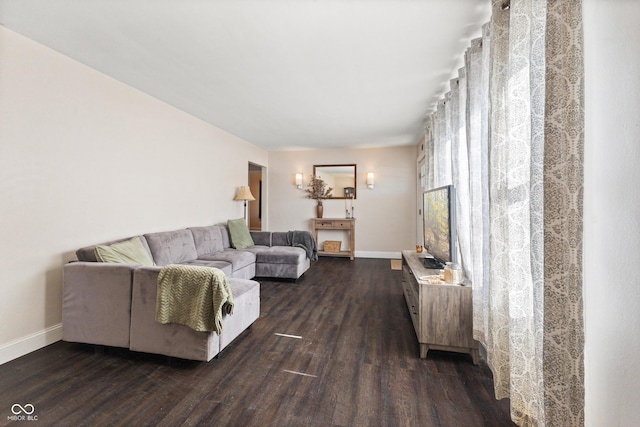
226, 240
172, 247
239, 233
241, 286
279, 238
238, 258
261, 238
279, 255
130, 251
226, 267
207, 239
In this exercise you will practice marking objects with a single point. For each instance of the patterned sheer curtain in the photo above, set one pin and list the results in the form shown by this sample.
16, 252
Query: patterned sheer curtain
429, 152
563, 189
441, 145
477, 67
460, 167
514, 338
509, 135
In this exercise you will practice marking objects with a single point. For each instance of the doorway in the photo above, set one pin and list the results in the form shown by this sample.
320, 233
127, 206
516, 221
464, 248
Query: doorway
256, 207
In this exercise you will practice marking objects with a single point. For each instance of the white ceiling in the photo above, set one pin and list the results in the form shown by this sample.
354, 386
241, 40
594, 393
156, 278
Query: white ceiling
281, 74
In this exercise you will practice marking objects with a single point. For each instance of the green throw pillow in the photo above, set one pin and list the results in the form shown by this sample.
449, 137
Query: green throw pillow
130, 251
239, 233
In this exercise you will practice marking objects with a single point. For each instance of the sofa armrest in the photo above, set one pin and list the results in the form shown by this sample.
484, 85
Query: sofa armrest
96, 303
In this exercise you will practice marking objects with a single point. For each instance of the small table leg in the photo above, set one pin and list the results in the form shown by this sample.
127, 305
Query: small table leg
424, 348
475, 356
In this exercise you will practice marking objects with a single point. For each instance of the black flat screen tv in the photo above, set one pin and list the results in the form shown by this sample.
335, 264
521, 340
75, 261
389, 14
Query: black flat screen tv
439, 219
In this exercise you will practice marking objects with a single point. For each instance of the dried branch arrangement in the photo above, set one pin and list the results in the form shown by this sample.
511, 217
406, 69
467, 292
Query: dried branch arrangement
318, 189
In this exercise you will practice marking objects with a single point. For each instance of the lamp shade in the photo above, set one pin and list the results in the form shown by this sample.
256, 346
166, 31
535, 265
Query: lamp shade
244, 193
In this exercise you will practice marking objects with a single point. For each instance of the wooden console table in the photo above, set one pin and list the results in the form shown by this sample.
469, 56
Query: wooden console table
441, 313
348, 225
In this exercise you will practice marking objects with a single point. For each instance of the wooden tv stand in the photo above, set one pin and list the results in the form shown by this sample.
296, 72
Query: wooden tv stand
441, 313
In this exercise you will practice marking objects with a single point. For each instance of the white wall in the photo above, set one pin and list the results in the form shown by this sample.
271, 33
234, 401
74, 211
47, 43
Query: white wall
83, 159
612, 212
385, 215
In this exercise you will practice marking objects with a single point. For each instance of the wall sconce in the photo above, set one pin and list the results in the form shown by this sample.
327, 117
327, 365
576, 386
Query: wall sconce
370, 179
299, 181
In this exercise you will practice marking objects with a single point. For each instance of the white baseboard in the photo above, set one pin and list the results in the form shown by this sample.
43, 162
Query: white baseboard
25, 345
374, 254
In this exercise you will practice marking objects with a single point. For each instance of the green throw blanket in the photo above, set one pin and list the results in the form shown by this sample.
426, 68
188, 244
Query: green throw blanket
194, 296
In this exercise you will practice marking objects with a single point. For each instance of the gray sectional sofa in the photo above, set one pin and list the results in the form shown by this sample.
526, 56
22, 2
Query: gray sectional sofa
114, 304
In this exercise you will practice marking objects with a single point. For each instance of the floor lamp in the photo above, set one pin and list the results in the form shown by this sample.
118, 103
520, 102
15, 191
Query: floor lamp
244, 194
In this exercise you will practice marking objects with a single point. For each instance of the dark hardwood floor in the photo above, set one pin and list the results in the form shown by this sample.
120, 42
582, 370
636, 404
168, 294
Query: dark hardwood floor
356, 364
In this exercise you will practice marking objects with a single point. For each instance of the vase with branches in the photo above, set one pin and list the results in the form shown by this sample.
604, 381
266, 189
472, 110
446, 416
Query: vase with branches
318, 190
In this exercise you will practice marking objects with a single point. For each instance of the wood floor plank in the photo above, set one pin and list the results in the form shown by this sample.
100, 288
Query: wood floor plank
356, 363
